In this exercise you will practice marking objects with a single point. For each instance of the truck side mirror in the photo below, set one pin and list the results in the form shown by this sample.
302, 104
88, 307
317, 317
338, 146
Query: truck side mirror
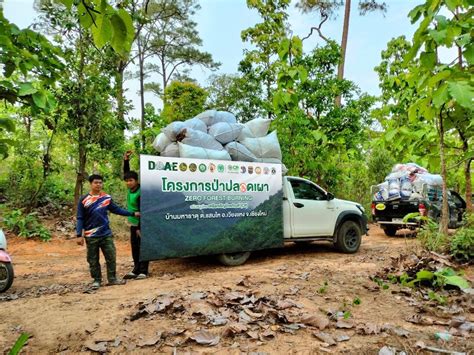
329, 196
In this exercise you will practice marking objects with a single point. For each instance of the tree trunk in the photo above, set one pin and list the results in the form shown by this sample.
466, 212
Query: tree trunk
81, 172
81, 140
345, 35
141, 60
467, 176
163, 70
120, 94
443, 227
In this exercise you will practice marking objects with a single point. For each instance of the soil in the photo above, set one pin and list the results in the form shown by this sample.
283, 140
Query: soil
50, 300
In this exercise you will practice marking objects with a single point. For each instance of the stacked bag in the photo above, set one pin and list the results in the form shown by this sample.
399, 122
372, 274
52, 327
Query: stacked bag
217, 135
409, 182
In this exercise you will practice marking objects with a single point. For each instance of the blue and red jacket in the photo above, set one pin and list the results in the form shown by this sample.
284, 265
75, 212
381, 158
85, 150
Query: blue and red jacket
92, 215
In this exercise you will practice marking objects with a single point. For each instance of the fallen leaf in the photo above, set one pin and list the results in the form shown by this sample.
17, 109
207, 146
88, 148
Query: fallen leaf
315, 321
267, 334
344, 324
97, 347
253, 334
252, 314
284, 304
234, 328
342, 337
150, 341
368, 329
205, 338
162, 303
244, 281
234, 296
219, 320
325, 338
245, 318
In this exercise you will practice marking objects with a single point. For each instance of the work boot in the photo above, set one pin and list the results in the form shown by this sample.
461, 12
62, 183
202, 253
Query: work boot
130, 275
95, 285
141, 277
116, 282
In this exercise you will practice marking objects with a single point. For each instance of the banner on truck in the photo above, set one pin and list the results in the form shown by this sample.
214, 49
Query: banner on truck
193, 207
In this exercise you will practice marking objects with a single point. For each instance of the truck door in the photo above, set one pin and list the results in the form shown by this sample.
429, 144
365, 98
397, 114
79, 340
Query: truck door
313, 214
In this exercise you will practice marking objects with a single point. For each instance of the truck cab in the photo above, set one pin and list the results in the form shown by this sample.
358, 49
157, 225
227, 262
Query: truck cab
312, 214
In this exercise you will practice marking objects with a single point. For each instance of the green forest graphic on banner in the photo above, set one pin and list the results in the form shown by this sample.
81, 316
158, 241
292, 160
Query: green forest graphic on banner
193, 207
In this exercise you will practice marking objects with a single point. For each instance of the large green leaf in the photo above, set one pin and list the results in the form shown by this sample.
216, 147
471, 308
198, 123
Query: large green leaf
19, 344
462, 92
39, 98
469, 54
7, 123
119, 37
26, 89
441, 96
102, 33
455, 280
428, 59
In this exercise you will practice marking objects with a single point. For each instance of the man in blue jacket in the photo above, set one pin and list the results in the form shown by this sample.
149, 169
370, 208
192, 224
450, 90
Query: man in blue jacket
93, 227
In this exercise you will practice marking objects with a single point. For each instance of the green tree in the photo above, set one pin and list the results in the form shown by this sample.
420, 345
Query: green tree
259, 66
326, 10
170, 37
183, 101
445, 90
30, 67
236, 94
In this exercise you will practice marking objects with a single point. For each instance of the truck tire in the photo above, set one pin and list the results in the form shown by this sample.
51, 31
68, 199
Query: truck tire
390, 230
234, 259
349, 237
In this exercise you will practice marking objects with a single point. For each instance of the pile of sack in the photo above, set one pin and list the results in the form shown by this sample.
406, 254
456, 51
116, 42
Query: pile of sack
409, 182
217, 135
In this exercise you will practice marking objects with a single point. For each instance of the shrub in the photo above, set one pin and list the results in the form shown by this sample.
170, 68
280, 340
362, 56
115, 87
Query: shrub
462, 244
27, 226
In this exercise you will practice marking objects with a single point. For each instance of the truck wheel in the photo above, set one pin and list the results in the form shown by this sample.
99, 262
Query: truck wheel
348, 237
6, 276
234, 259
390, 230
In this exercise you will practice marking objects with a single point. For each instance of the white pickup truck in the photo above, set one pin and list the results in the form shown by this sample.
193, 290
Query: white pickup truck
312, 214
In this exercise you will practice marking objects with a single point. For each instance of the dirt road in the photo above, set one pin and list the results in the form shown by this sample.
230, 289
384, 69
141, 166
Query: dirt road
280, 301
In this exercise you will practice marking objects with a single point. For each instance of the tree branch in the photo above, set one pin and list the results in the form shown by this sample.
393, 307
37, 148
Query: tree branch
318, 29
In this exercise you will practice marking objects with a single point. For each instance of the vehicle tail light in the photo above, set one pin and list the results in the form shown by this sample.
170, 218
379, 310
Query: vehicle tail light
373, 209
422, 209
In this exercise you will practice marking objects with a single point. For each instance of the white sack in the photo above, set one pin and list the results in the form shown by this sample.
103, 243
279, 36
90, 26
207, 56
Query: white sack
161, 142
255, 128
196, 124
223, 116
200, 139
211, 117
382, 194
171, 151
173, 129
406, 187
187, 151
264, 147
206, 116
238, 152
225, 132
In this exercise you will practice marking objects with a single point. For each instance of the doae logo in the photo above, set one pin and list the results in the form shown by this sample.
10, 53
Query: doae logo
168, 166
